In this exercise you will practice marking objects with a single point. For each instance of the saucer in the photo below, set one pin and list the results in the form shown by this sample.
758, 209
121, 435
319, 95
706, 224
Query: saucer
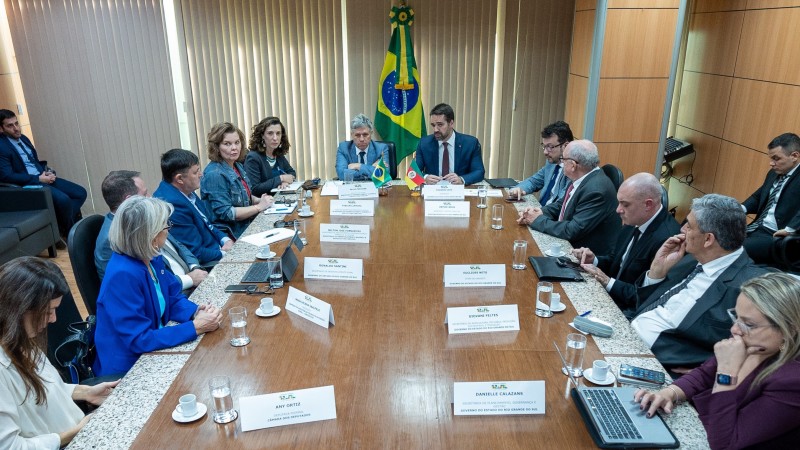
178, 417
311, 214
260, 256
554, 255
275, 311
561, 306
608, 381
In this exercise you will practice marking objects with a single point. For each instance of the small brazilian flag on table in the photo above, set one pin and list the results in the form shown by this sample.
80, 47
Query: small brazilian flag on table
380, 175
399, 117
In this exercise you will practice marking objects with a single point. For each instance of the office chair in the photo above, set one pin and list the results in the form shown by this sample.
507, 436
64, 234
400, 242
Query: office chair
82, 239
664, 198
392, 158
786, 253
614, 174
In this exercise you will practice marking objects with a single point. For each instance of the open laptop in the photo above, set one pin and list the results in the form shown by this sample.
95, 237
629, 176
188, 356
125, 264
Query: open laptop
259, 271
614, 420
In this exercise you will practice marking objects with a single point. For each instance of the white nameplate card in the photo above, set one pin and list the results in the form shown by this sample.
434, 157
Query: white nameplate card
474, 275
344, 232
309, 307
443, 191
333, 269
448, 208
497, 398
358, 190
330, 188
482, 319
287, 408
359, 208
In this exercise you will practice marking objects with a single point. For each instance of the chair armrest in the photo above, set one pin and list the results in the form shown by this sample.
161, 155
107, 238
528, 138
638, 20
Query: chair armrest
18, 199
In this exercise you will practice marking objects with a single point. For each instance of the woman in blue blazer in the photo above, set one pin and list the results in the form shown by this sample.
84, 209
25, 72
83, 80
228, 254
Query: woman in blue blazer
139, 295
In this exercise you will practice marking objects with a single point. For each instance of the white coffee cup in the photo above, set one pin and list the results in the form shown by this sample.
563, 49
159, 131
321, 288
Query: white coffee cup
555, 301
264, 251
266, 305
187, 405
599, 370
555, 248
306, 210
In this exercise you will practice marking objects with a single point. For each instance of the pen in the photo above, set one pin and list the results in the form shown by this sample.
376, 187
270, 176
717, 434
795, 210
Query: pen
271, 234
586, 313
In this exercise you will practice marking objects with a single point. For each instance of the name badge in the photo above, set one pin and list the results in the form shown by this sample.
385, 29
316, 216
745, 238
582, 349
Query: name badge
309, 307
333, 269
498, 398
473, 275
482, 319
360, 208
446, 209
357, 190
344, 232
287, 408
443, 191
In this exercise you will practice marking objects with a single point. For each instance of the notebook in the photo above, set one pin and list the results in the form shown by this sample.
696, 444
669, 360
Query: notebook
501, 182
614, 420
259, 271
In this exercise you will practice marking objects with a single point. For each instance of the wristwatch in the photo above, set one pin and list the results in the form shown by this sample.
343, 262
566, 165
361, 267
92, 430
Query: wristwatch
726, 380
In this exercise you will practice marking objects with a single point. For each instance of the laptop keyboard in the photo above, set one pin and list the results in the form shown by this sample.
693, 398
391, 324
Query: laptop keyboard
611, 415
257, 273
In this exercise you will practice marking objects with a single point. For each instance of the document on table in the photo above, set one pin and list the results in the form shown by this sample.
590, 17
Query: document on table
287, 408
495, 398
269, 236
489, 193
281, 208
291, 188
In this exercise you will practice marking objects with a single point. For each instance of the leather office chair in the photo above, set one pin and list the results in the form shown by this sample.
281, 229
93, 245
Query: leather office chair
82, 239
57, 331
664, 198
786, 253
614, 174
392, 158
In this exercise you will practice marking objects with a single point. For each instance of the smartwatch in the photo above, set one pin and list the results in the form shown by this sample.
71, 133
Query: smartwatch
724, 379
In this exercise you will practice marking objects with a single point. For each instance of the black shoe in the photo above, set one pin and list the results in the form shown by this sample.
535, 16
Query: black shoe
61, 245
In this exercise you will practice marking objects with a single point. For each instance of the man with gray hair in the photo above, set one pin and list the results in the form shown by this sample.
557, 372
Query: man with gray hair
683, 300
585, 216
359, 156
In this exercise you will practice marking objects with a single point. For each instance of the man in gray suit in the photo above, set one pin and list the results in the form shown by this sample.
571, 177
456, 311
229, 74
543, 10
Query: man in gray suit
550, 178
694, 279
586, 216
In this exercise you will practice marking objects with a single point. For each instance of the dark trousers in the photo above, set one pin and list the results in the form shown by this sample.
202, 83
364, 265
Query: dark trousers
758, 245
68, 198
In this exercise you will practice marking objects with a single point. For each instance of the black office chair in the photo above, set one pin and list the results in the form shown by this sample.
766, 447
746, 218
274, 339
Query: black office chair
66, 313
614, 174
82, 239
786, 253
392, 158
664, 198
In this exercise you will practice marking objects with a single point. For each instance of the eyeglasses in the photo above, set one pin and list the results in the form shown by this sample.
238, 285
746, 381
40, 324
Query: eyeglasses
562, 159
169, 225
746, 329
547, 148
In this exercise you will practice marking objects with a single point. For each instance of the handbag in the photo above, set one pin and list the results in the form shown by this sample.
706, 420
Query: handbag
77, 352
548, 269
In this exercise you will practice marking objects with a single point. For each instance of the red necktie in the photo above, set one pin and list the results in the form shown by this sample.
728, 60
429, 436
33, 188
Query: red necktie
564, 205
445, 160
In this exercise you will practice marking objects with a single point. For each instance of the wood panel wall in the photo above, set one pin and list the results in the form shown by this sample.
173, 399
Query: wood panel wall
740, 88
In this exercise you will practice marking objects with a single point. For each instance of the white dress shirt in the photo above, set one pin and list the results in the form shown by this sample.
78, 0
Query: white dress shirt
642, 229
451, 144
176, 267
575, 185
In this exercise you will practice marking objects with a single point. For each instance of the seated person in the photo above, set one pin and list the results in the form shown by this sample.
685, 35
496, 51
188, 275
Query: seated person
118, 186
359, 156
37, 409
180, 170
225, 187
551, 176
139, 296
748, 394
266, 163
448, 155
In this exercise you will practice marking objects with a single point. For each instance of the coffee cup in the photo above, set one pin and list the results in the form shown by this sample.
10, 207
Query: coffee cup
555, 301
266, 305
187, 405
264, 251
306, 210
555, 249
599, 370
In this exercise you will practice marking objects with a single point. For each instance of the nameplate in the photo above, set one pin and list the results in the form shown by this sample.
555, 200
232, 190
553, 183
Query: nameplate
330, 188
344, 232
498, 398
474, 275
287, 408
361, 208
482, 319
309, 307
446, 209
333, 269
443, 191
358, 190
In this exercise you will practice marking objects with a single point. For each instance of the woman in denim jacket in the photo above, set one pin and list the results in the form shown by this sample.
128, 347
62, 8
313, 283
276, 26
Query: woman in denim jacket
225, 187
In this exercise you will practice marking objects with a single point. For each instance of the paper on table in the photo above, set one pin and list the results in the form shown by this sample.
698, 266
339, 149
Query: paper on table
281, 208
331, 188
490, 193
269, 236
292, 187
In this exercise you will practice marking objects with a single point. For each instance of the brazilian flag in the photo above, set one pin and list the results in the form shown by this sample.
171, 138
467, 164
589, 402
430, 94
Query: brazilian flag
399, 117
380, 175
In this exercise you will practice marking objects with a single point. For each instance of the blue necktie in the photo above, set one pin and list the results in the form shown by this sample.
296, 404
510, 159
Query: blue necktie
546, 194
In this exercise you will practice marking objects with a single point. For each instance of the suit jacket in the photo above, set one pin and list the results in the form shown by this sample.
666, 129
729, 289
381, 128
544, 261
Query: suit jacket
541, 179
189, 227
262, 179
467, 156
12, 168
638, 261
347, 153
128, 322
787, 211
707, 322
590, 219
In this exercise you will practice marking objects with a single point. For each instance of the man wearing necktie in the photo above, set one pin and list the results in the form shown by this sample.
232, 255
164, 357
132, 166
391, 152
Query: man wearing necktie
776, 204
550, 178
19, 164
447, 155
360, 155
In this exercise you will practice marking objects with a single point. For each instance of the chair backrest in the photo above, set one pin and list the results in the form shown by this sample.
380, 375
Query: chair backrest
82, 239
614, 174
786, 253
392, 158
664, 198
57, 331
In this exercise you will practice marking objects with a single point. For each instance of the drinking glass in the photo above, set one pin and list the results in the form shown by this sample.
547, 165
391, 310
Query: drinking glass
576, 343
544, 292
222, 409
300, 227
238, 315
348, 177
520, 253
275, 273
483, 193
497, 217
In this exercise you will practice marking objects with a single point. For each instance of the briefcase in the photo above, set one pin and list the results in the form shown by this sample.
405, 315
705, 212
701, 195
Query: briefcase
547, 269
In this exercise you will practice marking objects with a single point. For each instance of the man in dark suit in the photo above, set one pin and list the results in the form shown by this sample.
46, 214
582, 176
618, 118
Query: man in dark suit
694, 279
19, 164
646, 225
550, 178
360, 155
448, 155
586, 215
776, 203
180, 170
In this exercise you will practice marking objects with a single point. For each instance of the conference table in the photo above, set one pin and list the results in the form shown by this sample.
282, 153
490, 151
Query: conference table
389, 356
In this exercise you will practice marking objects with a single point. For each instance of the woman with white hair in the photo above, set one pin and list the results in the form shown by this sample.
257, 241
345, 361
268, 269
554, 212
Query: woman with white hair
359, 156
139, 295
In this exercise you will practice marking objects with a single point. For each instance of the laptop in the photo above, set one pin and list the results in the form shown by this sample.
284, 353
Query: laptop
259, 271
501, 182
614, 420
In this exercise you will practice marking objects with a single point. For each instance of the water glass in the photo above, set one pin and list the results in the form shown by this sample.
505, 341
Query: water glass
238, 315
576, 344
497, 217
544, 293
275, 273
300, 227
348, 176
520, 255
483, 193
222, 409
